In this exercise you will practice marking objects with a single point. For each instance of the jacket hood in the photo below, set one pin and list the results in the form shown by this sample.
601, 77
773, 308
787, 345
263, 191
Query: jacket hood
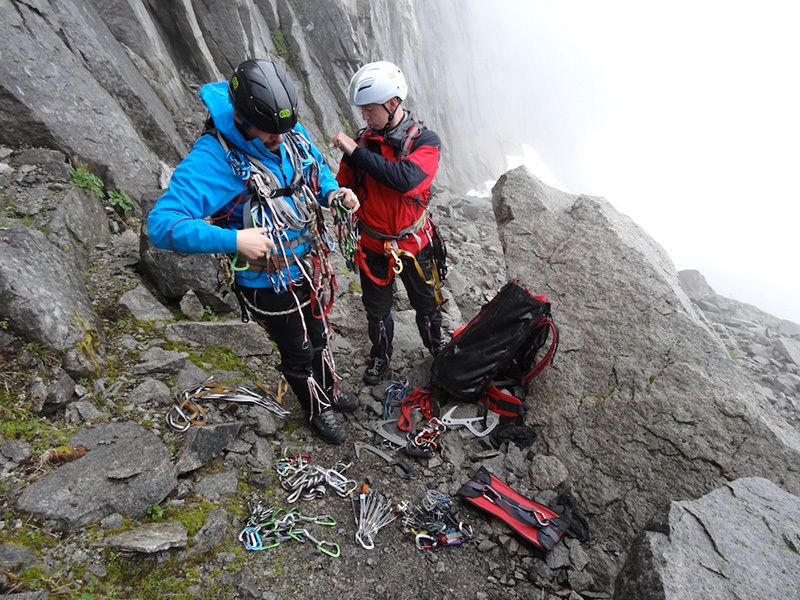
216, 98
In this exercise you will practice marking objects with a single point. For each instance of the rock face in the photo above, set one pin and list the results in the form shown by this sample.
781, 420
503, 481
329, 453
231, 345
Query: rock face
642, 389
129, 102
739, 541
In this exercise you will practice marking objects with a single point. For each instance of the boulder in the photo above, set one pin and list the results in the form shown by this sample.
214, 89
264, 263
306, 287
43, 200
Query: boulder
641, 390
738, 541
126, 469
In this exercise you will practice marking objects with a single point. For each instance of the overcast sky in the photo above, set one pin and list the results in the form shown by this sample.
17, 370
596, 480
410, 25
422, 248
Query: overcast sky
684, 115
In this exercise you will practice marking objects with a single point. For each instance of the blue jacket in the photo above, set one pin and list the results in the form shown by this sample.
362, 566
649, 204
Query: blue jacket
204, 182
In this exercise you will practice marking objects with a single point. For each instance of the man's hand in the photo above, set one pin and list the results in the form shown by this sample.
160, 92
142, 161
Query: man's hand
344, 142
348, 198
253, 243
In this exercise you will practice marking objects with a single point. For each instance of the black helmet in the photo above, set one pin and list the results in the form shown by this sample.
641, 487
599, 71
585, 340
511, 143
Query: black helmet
264, 96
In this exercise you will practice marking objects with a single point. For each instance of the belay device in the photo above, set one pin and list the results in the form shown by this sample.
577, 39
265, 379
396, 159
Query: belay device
496, 349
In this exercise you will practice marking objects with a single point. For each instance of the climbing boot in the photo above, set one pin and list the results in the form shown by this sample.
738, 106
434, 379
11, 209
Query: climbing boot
374, 372
328, 428
437, 347
344, 402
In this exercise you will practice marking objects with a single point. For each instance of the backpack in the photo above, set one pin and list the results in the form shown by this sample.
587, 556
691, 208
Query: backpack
498, 349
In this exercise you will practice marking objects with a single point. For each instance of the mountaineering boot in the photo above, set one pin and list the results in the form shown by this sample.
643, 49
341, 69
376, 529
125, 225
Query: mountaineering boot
344, 402
324, 422
328, 427
430, 330
374, 372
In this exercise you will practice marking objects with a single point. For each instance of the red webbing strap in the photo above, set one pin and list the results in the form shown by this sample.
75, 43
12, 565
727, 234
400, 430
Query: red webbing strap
419, 398
551, 352
502, 403
360, 259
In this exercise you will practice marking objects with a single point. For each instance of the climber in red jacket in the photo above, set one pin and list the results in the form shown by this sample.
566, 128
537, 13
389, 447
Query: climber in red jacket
390, 165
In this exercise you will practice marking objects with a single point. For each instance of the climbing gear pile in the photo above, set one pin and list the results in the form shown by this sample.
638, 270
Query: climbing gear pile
269, 526
425, 442
374, 512
188, 411
265, 202
435, 524
305, 481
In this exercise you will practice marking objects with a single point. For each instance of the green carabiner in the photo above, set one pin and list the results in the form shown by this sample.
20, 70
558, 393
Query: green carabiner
326, 520
322, 547
234, 261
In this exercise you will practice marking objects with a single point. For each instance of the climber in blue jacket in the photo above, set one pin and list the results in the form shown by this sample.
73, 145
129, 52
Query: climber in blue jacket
252, 187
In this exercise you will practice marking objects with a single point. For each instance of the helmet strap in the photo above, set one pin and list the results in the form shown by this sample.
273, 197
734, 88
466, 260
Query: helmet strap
391, 114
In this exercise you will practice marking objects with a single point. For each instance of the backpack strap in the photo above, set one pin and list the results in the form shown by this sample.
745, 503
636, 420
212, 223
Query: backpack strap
408, 139
548, 326
503, 403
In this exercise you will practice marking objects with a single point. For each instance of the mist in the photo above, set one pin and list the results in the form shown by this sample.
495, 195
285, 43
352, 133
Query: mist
683, 115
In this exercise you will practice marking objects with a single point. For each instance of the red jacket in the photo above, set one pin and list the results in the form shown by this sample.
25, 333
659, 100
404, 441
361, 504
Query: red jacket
393, 189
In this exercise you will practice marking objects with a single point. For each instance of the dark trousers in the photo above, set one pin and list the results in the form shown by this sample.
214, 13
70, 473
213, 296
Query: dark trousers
378, 301
300, 346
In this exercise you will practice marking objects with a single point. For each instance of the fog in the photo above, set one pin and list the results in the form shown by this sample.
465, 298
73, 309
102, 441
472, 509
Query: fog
684, 115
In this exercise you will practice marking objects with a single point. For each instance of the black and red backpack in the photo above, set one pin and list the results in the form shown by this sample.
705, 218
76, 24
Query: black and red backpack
498, 350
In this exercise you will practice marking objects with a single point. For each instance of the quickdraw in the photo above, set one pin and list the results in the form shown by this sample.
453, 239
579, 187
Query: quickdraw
375, 511
188, 411
345, 227
396, 391
305, 481
268, 526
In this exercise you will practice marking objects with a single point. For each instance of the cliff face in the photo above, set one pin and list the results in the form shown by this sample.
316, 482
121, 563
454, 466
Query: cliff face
114, 82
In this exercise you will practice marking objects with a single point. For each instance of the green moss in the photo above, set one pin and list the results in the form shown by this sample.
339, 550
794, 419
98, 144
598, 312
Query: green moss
89, 344
601, 395
219, 357
348, 128
192, 516
282, 48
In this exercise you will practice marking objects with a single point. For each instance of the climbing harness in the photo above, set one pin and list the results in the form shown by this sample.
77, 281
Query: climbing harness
188, 411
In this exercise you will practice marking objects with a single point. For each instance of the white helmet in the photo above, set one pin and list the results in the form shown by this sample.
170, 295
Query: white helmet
377, 83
